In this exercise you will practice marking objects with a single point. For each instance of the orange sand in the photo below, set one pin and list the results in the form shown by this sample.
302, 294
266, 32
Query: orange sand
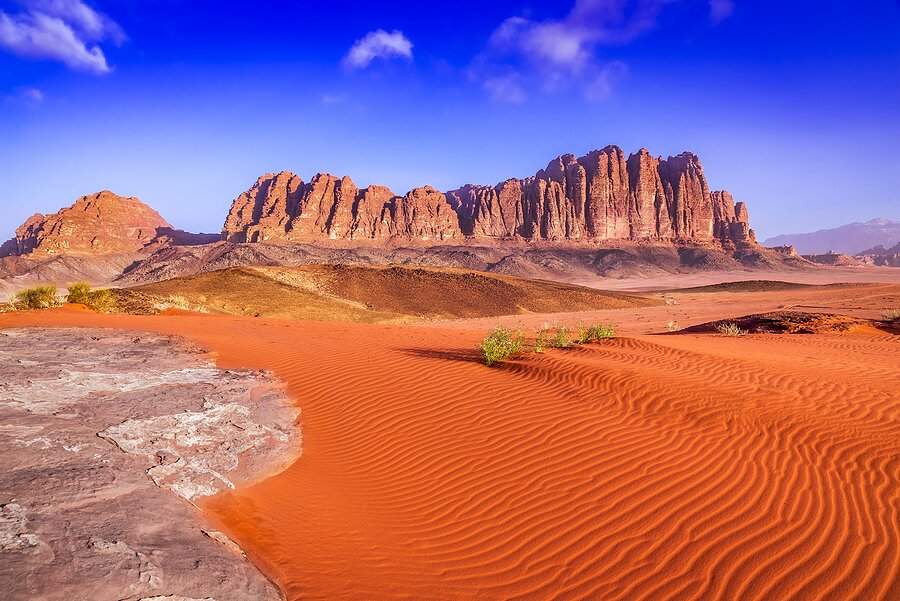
648, 467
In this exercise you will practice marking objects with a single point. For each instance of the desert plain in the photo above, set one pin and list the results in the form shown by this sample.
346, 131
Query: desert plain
669, 462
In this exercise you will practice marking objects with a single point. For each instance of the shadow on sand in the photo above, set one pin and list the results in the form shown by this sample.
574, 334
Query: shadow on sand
464, 355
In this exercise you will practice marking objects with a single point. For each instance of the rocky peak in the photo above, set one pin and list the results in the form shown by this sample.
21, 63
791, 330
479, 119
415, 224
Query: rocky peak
603, 195
98, 224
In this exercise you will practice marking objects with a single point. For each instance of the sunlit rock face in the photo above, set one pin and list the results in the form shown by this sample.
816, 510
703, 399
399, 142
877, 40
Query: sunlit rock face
603, 195
98, 224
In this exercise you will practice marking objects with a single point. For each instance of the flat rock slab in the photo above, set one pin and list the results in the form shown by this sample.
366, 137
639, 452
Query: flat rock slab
107, 439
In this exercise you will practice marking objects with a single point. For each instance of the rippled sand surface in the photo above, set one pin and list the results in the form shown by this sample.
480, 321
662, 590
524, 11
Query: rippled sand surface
647, 467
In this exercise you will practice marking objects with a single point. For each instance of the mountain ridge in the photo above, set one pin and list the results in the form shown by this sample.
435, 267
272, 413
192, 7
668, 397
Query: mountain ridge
600, 196
851, 238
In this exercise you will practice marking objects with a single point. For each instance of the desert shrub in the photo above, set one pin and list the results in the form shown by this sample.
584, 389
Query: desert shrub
562, 338
730, 329
39, 297
101, 301
594, 333
79, 293
500, 344
672, 326
541, 339
891, 315
7, 307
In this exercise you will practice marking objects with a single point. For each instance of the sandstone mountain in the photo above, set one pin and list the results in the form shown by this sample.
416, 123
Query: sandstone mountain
602, 196
99, 224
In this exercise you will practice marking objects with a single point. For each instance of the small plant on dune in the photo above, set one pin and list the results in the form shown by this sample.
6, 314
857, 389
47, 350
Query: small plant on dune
730, 329
562, 338
39, 297
7, 307
594, 332
541, 340
101, 301
891, 315
500, 344
672, 326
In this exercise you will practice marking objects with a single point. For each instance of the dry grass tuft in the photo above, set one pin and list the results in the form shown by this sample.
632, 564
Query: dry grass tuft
730, 329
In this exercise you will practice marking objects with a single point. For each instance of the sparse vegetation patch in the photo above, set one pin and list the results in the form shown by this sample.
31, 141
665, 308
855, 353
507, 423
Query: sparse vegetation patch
595, 332
562, 338
541, 339
39, 297
891, 315
101, 301
730, 329
499, 345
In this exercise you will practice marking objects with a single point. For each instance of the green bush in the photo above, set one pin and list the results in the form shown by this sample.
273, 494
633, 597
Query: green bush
594, 333
79, 293
730, 329
39, 297
500, 344
101, 301
562, 338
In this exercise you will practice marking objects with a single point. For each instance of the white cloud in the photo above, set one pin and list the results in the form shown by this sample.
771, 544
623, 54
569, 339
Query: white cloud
378, 44
64, 30
556, 54
719, 10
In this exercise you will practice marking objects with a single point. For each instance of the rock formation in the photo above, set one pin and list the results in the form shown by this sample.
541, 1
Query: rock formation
879, 255
602, 196
107, 439
99, 224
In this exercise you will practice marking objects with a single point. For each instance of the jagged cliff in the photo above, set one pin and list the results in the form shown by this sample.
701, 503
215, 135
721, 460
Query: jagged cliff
597, 197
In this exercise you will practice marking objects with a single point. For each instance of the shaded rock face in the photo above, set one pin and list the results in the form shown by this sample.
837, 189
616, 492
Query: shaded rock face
879, 255
107, 438
99, 224
603, 195
281, 207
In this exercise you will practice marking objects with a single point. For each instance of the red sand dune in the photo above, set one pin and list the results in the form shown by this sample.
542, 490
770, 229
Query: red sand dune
653, 467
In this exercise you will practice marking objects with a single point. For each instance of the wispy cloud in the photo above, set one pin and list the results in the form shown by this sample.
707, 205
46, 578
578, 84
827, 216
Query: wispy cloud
334, 98
719, 10
378, 44
28, 97
561, 53
505, 88
68, 31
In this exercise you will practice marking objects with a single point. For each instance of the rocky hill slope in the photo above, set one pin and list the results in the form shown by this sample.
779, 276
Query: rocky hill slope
99, 224
601, 196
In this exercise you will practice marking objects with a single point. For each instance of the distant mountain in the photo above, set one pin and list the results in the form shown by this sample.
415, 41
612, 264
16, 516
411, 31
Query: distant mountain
849, 239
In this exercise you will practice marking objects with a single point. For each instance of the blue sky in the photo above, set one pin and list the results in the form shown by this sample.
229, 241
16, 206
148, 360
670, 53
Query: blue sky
792, 106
